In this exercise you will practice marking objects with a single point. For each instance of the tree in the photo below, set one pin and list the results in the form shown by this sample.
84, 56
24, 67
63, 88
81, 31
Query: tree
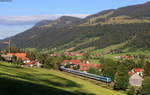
32, 55
41, 57
121, 78
145, 89
131, 91
94, 71
86, 56
1, 58
19, 61
147, 69
129, 63
53, 62
14, 59
109, 68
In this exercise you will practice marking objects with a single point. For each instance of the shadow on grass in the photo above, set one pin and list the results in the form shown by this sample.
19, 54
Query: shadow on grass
63, 82
17, 87
16, 67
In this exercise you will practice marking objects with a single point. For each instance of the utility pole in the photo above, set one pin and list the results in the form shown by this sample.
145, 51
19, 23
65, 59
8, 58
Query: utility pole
9, 45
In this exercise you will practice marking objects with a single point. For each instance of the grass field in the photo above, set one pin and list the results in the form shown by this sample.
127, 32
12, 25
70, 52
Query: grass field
15, 80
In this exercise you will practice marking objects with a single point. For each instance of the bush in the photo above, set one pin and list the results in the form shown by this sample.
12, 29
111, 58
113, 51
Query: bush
145, 89
1, 58
53, 62
131, 91
94, 71
147, 69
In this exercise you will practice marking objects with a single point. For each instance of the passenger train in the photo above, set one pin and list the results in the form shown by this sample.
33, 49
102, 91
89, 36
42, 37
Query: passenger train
88, 75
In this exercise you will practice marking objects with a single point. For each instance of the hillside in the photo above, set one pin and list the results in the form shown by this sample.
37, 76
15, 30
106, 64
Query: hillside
17, 80
110, 27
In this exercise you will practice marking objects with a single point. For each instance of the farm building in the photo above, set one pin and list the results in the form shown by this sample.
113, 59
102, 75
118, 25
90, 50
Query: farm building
65, 62
86, 67
22, 56
32, 64
135, 80
136, 77
83, 66
7, 57
138, 71
122, 56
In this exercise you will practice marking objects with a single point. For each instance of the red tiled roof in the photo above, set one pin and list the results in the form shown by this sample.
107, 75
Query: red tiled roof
29, 63
138, 70
85, 67
22, 56
66, 61
72, 61
131, 73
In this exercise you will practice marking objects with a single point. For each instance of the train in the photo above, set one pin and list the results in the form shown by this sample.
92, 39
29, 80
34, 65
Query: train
88, 75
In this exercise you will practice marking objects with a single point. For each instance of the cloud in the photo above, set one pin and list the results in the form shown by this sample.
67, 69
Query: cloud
31, 20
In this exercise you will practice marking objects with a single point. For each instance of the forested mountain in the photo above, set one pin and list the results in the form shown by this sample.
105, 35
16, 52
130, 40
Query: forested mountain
127, 24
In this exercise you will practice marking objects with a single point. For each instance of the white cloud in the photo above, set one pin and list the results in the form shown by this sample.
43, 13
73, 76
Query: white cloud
30, 20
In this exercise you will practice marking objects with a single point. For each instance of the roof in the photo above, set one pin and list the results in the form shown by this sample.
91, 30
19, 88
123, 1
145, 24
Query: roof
72, 61
2, 51
131, 73
138, 70
85, 67
29, 63
22, 56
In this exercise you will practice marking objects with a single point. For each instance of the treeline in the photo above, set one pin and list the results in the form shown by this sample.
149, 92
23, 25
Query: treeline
49, 62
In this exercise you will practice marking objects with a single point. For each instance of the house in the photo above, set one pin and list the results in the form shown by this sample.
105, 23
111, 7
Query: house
32, 64
22, 56
138, 71
65, 62
135, 80
122, 56
136, 77
69, 54
2, 52
83, 66
86, 67
7, 57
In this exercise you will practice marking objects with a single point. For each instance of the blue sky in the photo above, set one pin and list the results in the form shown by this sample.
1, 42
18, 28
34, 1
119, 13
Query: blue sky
18, 15
38, 7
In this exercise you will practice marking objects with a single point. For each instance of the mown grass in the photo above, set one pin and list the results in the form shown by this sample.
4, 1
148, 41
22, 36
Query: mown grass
15, 80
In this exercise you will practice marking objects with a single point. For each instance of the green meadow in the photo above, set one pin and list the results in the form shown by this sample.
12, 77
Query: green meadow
16, 80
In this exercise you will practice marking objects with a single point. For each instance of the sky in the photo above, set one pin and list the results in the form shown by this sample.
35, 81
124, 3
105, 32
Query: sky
18, 15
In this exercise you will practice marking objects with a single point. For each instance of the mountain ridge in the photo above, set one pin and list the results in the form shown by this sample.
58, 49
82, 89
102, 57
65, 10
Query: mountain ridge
108, 26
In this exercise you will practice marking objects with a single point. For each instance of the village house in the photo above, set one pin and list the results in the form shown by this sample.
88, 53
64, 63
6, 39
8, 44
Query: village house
32, 64
136, 77
122, 56
22, 56
2, 52
83, 66
86, 67
7, 57
135, 80
76, 62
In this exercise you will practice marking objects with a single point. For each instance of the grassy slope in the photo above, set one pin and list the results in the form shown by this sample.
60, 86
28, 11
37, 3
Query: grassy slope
16, 80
